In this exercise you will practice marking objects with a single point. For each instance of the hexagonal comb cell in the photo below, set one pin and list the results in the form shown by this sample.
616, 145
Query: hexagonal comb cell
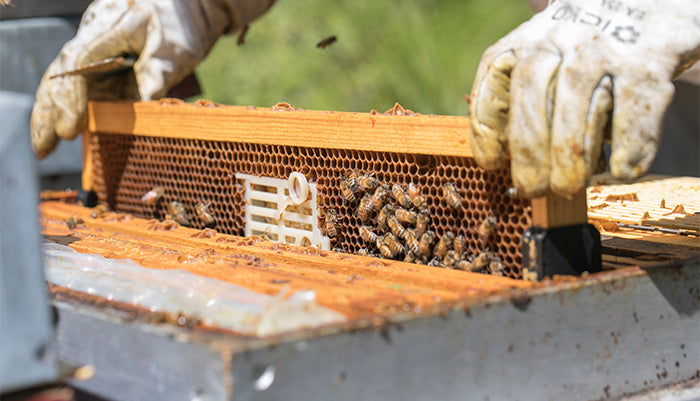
193, 171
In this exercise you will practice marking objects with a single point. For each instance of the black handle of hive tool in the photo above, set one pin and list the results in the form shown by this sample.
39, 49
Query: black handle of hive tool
568, 250
87, 198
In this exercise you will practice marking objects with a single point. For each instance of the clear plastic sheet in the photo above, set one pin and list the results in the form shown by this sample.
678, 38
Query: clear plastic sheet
215, 302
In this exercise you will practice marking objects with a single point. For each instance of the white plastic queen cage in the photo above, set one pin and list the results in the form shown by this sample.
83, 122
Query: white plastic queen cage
284, 211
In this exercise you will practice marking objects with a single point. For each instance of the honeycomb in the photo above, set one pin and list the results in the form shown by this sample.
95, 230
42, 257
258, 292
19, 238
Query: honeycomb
192, 171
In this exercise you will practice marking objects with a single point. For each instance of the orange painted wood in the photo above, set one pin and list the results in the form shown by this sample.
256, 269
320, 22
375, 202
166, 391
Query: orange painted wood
88, 169
359, 287
418, 134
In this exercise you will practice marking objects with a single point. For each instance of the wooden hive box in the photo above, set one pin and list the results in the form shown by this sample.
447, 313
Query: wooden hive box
199, 152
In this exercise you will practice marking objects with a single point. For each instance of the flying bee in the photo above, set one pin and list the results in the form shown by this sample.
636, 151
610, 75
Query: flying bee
74, 221
487, 227
329, 223
153, 196
364, 208
425, 244
406, 216
386, 211
326, 42
401, 196
444, 244
412, 241
452, 196
396, 228
376, 200
367, 182
349, 188
368, 235
458, 245
177, 212
202, 210
422, 222
393, 243
450, 259
416, 197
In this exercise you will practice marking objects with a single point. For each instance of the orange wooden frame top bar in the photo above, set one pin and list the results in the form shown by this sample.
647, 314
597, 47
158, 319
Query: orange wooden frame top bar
416, 134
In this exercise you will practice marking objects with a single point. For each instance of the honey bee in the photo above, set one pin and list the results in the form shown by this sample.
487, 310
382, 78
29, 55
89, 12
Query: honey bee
379, 198
422, 222
326, 42
153, 196
74, 221
410, 257
406, 216
367, 182
386, 211
450, 259
512, 192
401, 196
386, 252
99, 211
329, 223
481, 262
435, 262
444, 244
364, 208
416, 197
368, 235
203, 213
396, 228
463, 265
496, 266
394, 245
363, 252
177, 212
487, 227
458, 245
425, 244
349, 188
412, 241
452, 196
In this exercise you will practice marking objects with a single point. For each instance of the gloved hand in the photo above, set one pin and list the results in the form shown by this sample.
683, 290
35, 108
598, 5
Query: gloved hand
544, 93
169, 37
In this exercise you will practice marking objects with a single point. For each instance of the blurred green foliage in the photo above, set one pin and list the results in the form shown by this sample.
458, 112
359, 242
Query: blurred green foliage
422, 54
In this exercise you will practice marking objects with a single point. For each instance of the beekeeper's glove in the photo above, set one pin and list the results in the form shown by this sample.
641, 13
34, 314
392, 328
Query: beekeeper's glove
169, 37
545, 92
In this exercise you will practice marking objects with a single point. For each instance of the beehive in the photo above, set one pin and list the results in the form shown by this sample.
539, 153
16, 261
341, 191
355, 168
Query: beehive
194, 153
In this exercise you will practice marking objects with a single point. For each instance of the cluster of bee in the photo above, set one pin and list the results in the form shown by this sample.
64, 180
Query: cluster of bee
396, 225
177, 211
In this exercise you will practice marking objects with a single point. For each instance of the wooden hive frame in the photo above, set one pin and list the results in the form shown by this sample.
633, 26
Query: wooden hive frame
444, 136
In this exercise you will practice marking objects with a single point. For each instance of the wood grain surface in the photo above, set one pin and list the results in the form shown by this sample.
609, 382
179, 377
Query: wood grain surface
357, 286
417, 134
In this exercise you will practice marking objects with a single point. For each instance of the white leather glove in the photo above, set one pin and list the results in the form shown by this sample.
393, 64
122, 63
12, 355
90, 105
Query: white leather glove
169, 37
544, 92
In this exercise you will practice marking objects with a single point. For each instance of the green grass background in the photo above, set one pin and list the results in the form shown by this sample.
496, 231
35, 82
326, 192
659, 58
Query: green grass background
422, 54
